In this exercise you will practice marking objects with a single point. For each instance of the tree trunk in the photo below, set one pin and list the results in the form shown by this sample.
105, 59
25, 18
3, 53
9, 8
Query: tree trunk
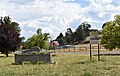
6, 53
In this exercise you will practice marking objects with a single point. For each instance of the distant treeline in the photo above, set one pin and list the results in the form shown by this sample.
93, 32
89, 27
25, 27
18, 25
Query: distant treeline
76, 37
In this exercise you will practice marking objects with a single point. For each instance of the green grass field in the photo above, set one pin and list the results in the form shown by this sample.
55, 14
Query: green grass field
66, 65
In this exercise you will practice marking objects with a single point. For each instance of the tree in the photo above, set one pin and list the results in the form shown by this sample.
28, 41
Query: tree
68, 36
22, 43
39, 31
106, 23
15, 25
117, 19
38, 39
111, 34
77, 35
9, 39
5, 20
60, 39
81, 32
8, 21
85, 29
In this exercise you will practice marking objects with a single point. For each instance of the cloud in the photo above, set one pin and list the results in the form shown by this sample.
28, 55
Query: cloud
100, 11
55, 16
22, 2
53, 25
2, 13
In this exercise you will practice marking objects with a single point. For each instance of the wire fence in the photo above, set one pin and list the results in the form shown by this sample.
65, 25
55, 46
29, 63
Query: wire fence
78, 48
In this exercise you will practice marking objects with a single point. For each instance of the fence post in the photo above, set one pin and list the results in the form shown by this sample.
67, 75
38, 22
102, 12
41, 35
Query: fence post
74, 48
98, 53
90, 53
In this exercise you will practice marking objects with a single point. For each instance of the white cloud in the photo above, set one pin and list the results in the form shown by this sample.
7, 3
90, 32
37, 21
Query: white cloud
55, 16
2, 13
53, 25
100, 11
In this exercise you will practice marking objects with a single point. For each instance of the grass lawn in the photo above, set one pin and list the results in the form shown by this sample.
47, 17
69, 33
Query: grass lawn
66, 65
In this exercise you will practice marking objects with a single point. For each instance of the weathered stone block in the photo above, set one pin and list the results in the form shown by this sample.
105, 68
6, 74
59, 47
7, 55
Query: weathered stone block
33, 58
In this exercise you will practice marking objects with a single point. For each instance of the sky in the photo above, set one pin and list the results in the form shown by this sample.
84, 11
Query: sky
55, 16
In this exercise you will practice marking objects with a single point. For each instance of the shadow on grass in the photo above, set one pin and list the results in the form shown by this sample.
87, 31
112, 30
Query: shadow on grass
28, 63
6, 57
83, 62
2, 56
107, 55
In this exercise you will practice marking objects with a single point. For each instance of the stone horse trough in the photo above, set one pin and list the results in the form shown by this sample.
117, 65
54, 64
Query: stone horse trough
33, 55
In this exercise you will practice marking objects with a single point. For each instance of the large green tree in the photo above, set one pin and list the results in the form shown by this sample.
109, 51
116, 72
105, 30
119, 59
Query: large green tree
40, 39
111, 34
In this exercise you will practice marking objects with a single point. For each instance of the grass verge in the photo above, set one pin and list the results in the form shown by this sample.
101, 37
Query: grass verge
66, 65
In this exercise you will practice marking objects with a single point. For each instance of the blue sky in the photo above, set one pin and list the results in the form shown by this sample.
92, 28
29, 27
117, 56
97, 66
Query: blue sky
83, 3
55, 16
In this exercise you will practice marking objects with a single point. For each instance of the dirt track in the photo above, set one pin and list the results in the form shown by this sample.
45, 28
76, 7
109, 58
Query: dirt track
93, 52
